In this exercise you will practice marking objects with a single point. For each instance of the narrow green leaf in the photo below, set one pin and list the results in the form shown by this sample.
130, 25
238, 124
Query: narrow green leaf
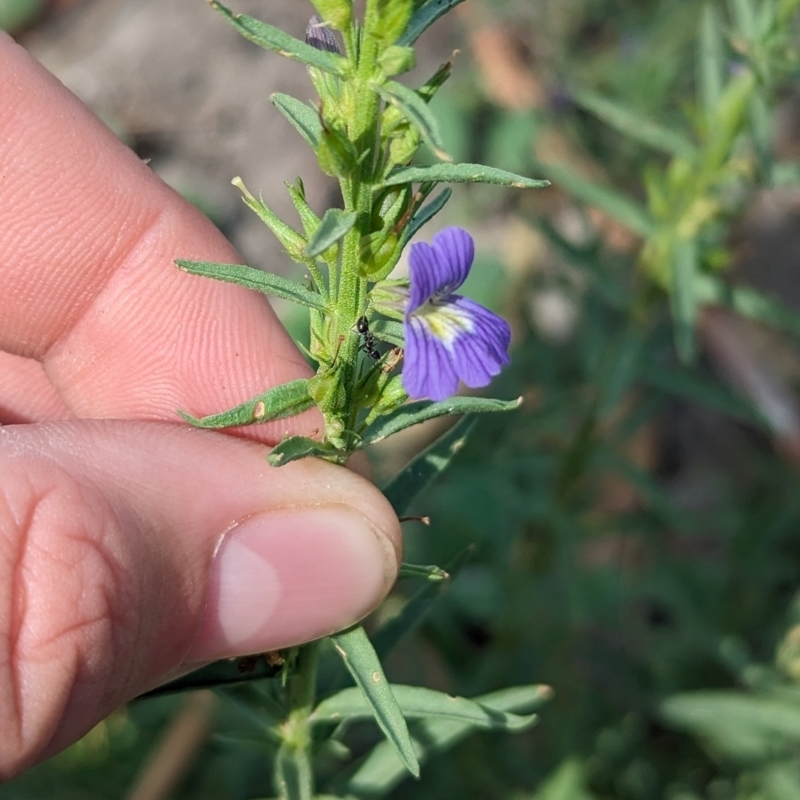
334, 226
428, 12
568, 782
634, 126
684, 383
785, 173
741, 725
426, 213
746, 301
381, 770
781, 780
710, 60
429, 572
761, 131
15, 15
461, 173
264, 282
744, 15
304, 118
420, 703
394, 630
388, 331
682, 295
592, 264
271, 38
423, 470
279, 402
621, 208
293, 243
360, 658
417, 112
423, 410
296, 447
226, 672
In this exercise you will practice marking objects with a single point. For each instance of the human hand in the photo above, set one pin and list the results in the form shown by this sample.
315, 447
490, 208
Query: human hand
133, 548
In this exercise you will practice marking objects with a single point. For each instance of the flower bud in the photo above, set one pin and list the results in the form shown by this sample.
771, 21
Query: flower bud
318, 35
395, 60
378, 254
336, 154
338, 13
387, 19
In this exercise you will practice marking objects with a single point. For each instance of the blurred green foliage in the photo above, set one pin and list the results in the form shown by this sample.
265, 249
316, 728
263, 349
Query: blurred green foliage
635, 531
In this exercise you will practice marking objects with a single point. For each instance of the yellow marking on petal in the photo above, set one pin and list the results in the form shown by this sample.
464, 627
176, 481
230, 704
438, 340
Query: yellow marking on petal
444, 321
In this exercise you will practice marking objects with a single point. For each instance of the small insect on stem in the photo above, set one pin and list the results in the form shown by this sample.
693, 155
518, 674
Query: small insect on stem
368, 341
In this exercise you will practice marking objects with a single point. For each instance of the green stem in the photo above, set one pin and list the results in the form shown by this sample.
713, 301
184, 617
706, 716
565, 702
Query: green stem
356, 189
294, 775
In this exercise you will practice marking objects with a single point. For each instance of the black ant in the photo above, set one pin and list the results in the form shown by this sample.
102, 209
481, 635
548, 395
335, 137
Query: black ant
368, 344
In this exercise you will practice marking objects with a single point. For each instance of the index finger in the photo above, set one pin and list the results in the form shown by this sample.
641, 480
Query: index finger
88, 234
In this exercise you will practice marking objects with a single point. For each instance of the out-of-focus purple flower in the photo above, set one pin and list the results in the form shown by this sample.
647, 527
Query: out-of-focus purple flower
448, 337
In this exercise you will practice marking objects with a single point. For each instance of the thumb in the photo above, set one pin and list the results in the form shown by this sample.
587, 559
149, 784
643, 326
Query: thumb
130, 551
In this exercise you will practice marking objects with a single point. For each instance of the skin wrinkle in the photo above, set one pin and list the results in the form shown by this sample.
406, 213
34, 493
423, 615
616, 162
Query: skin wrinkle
17, 600
92, 610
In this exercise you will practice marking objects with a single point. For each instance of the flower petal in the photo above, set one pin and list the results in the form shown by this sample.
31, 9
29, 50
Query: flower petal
427, 370
479, 354
423, 266
492, 328
440, 267
455, 250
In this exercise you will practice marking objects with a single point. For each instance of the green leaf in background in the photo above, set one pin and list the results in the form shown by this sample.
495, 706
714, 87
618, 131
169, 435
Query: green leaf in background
361, 660
428, 572
461, 173
631, 124
425, 467
334, 226
710, 60
785, 173
426, 214
424, 16
423, 410
279, 402
744, 15
738, 724
780, 781
264, 282
418, 702
304, 118
682, 297
271, 38
619, 207
18, 14
568, 782
760, 115
592, 264
381, 770
417, 112
685, 383
746, 301
296, 447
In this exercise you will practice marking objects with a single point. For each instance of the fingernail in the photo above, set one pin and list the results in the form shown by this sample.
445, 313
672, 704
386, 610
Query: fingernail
289, 576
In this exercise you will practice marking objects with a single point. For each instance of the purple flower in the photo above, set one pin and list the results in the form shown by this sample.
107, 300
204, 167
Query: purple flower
448, 336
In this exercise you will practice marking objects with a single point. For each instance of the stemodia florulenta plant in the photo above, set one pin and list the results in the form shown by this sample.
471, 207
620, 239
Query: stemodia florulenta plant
389, 353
